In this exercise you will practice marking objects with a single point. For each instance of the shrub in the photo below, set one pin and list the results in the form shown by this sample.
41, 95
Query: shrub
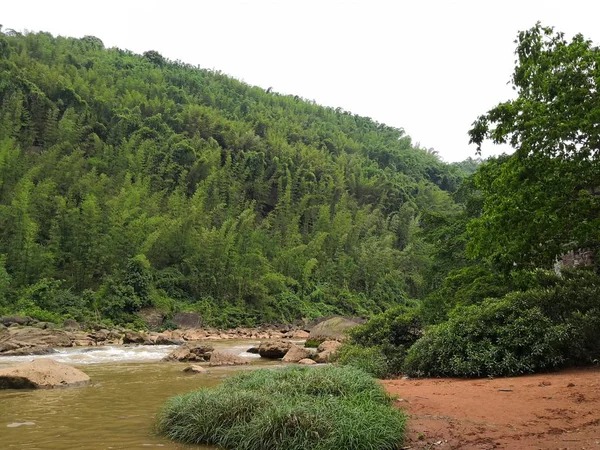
370, 359
391, 334
539, 329
293, 409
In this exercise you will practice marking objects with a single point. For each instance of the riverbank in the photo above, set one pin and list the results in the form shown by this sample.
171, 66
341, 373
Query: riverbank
42, 339
542, 411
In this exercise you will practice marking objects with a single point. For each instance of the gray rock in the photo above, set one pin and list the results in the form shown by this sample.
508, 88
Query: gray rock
18, 320
335, 329
71, 325
186, 320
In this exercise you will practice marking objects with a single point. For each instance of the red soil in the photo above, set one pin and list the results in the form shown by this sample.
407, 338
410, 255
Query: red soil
549, 411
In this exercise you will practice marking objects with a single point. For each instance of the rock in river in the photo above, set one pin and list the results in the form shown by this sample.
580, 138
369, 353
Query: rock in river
190, 351
226, 359
274, 350
41, 374
195, 369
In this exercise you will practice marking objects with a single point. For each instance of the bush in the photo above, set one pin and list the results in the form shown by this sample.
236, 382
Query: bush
369, 359
539, 329
388, 335
292, 409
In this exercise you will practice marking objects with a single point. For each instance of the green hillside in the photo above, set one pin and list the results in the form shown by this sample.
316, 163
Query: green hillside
129, 181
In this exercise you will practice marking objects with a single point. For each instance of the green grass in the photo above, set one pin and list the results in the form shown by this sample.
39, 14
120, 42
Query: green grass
288, 409
313, 343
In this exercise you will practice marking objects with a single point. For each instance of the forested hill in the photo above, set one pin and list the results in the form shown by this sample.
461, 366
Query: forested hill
129, 181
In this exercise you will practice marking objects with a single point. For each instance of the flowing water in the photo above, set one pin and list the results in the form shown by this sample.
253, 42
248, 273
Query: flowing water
118, 409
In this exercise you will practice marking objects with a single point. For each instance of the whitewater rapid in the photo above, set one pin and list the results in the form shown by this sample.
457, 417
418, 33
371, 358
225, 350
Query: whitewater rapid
119, 353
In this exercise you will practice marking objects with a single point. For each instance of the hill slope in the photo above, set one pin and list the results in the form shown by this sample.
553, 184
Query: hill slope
129, 180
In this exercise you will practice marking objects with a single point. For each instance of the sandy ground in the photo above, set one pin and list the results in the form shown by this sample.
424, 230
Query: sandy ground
550, 411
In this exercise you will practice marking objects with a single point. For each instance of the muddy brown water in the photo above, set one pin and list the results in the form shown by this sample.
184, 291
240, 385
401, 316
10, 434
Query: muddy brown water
117, 411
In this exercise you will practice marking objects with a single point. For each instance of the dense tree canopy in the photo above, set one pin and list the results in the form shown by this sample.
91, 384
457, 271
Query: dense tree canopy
544, 199
130, 180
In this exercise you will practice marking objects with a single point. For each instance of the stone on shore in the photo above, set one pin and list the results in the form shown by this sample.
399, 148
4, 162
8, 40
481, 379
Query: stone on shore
307, 362
334, 329
326, 350
295, 354
16, 338
42, 374
135, 337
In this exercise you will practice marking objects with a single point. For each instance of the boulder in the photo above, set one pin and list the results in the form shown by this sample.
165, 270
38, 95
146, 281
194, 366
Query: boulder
71, 325
326, 350
253, 350
152, 317
15, 320
195, 369
186, 320
192, 335
226, 359
300, 334
25, 351
191, 351
307, 362
295, 354
332, 329
33, 337
167, 339
81, 339
274, 349
41, 374
135, 337
104, 336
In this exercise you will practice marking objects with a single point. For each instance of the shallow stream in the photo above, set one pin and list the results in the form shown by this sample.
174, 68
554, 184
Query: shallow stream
117, 411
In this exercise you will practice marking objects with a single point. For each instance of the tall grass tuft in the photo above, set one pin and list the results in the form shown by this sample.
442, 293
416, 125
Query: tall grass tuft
329, 408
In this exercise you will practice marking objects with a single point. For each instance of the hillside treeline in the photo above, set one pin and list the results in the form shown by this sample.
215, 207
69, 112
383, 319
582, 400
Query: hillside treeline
129, 181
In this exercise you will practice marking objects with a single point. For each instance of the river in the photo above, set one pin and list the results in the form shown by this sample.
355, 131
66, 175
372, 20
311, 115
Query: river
118, 409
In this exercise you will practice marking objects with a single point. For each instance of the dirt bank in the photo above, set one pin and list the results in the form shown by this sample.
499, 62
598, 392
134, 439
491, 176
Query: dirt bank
550, 411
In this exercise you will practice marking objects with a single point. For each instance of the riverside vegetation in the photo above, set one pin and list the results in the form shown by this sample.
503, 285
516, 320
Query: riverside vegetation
504, 308
294, 409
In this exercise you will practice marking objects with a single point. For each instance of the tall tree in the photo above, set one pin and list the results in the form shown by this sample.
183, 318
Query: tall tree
544, 199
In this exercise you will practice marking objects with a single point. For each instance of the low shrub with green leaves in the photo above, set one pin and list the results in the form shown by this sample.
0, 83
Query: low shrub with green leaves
380, 345
288, 409
554, 324
370, 359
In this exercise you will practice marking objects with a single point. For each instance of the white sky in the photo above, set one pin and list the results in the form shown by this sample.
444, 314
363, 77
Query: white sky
430, 67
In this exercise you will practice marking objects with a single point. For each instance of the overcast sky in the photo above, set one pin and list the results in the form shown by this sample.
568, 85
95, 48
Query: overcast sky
430, 67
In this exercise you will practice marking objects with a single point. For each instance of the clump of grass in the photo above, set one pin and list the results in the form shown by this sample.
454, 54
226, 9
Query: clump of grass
317, 382
313, 343
288, 409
